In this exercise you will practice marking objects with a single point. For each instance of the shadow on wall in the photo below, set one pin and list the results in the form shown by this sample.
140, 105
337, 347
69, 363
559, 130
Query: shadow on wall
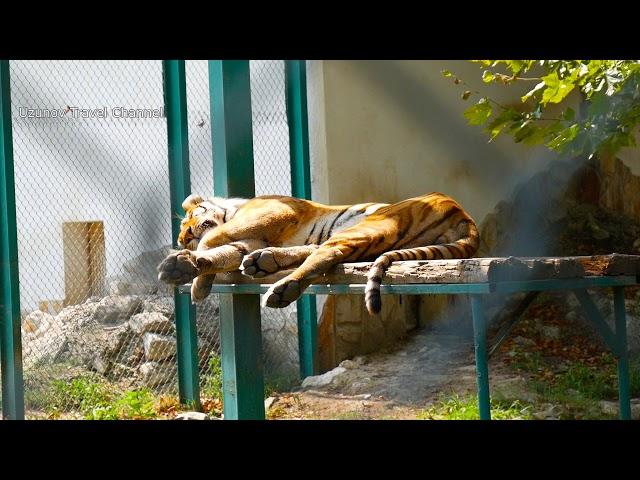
432, 133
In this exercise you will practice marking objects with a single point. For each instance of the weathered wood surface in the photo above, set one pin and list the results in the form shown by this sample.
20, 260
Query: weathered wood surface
470, 270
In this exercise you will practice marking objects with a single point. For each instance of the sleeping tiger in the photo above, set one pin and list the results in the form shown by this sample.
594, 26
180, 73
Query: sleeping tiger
269, 233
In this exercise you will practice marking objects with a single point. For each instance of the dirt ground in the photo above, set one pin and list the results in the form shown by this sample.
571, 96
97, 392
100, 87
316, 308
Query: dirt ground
431, 363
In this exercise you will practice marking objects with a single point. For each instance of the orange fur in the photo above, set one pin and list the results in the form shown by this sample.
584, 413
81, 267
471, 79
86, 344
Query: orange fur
269, 232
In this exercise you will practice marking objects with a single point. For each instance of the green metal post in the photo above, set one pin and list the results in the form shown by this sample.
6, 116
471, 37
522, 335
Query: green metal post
179, 178
10, 343
623, 353
240, 330
482, 367
297, 118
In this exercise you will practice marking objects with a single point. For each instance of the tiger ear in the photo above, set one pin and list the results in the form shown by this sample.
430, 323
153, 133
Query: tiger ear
191, 201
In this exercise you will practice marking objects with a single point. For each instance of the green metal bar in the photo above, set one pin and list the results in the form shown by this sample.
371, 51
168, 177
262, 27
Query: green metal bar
179, 178
562, 284
482, 366
594, 315
297, 118
623, 354
240, 331
354, 289
11, 342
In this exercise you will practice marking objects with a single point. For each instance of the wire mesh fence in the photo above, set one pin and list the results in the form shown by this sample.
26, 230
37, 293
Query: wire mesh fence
93, 214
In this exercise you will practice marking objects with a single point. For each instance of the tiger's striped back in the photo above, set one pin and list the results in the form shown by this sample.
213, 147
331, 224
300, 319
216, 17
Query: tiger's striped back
432, 226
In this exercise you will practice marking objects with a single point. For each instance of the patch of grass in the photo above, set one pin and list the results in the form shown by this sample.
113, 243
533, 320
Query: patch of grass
579, 390
274, 385
94, 398
455, 407
84, 394
212, 386
532, 362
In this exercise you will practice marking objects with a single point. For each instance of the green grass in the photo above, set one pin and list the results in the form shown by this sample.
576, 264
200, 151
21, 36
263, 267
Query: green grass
455, 407
212, 384
579, 390
92, 397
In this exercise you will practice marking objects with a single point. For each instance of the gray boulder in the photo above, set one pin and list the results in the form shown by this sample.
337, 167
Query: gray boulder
153, 322
158, 347
155, 374
116, 309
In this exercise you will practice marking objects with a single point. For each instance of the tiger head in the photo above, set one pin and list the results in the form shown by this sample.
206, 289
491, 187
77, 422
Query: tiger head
203, 215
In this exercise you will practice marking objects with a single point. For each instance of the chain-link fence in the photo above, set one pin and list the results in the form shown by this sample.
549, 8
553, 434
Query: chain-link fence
92, 204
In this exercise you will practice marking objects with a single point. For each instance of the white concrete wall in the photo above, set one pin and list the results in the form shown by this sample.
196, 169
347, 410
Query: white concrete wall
389, 130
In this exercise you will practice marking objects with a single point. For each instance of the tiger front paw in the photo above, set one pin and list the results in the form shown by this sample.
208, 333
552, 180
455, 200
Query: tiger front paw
178, 268
259, 263
282, 293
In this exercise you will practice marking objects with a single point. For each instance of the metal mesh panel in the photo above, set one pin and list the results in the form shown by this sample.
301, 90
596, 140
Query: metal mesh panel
93, 213
273, 176
201, 169
92, 201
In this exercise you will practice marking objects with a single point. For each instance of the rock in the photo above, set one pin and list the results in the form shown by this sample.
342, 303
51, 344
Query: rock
156, 374
192, 416
550, 412
551, 332
158, 347
348, 364
142, 269
268, 402
608, 407
77, 316
519, 340
572, 316
119, 287
154, 322
116, 309
159, 304
36, 323
635, 408
324, 379
45, 347
98, 347
360, 360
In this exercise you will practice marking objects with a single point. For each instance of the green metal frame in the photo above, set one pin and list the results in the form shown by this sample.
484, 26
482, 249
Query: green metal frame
175, 100
297, 119
10, 341
617, 341
240, 331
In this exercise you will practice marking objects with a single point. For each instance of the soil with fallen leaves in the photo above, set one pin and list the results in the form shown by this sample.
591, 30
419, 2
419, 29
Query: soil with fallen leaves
413, 375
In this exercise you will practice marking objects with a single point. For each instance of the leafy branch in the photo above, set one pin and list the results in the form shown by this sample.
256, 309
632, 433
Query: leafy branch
610, 90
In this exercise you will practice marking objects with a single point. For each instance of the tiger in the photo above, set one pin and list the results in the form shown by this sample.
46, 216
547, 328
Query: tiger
265, 234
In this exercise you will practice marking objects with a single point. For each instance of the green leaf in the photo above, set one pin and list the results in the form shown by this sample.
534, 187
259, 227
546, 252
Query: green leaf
495, 126
564, 137
488, 77
446, 73
479, 113
516, 66
557, 89
528, 95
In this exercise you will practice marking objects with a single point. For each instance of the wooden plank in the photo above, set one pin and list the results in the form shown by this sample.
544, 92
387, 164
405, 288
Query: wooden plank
470, 270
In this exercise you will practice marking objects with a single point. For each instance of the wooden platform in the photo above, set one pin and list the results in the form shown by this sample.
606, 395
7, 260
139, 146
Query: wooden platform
470, 270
